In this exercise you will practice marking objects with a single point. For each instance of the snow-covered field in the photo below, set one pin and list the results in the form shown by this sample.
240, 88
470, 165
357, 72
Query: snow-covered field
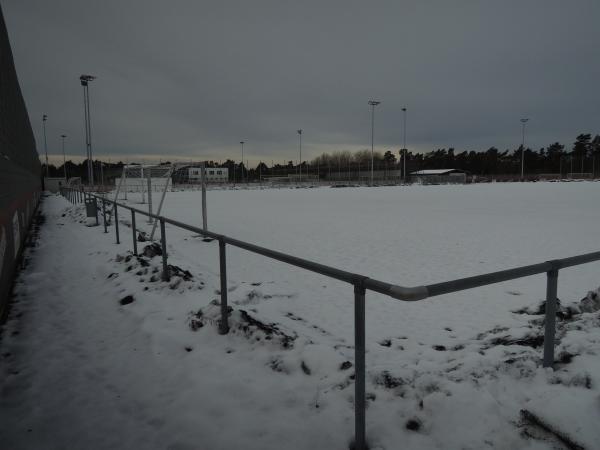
84, 371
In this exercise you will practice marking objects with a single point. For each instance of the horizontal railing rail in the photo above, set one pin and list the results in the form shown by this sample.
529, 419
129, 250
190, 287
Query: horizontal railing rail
360, 282
462, 284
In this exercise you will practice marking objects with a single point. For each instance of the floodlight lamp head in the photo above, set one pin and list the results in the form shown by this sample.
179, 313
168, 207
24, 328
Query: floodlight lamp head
63, 136
44, 117
85, 79
524, 120
299, 131
404, 109
242, 142
374, 102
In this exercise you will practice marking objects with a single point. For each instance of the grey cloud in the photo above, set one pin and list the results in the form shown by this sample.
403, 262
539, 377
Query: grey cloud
191, 79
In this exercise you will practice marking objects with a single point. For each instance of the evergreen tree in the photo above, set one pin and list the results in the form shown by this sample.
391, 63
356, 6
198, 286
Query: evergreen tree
581, 148
389, 157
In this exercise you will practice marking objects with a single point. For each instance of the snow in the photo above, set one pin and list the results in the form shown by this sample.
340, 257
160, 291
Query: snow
83, 371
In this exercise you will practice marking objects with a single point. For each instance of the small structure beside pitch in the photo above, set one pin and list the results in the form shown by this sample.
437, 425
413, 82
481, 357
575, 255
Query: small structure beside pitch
439, 176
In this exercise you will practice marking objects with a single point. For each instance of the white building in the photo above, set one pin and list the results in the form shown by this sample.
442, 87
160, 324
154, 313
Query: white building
213, 174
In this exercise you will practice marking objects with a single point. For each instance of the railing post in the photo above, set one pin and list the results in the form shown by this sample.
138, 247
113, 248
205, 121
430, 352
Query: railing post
116, 222
150, 195
104, 213
359, 366
203, 183
95, 208
550, 321
163, 244
224, 325
135, 252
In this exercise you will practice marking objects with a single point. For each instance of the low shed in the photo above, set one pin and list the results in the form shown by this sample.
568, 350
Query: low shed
439, 176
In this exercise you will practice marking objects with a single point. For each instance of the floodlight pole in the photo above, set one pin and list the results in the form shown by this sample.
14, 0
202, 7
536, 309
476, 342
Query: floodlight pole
84, 83
571, 165
300, 139
242, 164
44, 118
523, 121
63, 136
373, 104
404, 147
85, 79
560, 166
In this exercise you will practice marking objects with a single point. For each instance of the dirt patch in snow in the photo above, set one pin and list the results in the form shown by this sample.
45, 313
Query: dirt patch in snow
589, 304
242, 323
253, 328
530, 420
387, 380
152, 250
127, 300
533, 341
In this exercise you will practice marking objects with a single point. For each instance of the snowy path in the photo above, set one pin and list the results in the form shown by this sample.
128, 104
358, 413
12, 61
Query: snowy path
79, 370
85, 373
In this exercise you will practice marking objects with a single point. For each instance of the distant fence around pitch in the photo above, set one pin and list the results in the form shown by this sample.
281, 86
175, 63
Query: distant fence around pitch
360, 283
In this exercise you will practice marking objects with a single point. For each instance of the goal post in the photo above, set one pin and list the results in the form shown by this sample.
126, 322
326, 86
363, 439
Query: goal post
135, 178
146, 179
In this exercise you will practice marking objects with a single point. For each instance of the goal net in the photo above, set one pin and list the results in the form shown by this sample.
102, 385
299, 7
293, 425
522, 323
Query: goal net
137, 177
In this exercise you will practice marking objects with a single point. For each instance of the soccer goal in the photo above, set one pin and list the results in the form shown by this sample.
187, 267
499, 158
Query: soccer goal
144, 178
149, 179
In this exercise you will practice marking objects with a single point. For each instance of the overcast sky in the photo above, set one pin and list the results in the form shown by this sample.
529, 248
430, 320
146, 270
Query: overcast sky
190, 79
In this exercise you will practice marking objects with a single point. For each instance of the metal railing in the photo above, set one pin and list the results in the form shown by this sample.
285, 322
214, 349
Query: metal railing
360, 283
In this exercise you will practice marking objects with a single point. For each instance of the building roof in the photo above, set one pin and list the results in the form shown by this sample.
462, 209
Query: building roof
436, 171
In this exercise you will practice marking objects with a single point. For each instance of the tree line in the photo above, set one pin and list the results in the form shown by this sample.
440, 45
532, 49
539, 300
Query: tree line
583, 156
80, 170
